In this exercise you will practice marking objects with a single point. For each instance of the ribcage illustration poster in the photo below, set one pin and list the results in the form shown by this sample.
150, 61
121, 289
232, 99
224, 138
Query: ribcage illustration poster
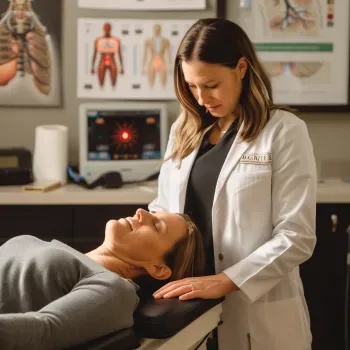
30, 52
144, 4
304, 45
128, 59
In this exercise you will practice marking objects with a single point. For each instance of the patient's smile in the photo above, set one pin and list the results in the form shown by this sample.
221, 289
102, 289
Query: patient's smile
129, 220
125, 220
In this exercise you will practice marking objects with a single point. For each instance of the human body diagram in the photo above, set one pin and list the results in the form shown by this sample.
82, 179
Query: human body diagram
24, 46
297, 69
288, 17
107, 46
156, 57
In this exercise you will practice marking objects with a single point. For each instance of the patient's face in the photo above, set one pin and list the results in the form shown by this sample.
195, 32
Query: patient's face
145, 237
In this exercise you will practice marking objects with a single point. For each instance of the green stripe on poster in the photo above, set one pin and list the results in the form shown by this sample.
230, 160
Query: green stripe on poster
294, 47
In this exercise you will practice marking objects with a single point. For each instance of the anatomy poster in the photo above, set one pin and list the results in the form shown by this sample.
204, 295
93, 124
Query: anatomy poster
304, 46
144, 4
30, 53
128, 59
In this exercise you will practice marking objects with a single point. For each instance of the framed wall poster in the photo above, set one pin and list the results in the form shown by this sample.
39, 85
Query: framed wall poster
221, 8
304, 46
144, 4
30, 60
128, 59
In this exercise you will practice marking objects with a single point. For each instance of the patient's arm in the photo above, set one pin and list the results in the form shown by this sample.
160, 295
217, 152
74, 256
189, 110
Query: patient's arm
96, 306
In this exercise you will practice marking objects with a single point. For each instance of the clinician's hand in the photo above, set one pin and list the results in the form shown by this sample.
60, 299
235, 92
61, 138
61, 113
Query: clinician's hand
207, 287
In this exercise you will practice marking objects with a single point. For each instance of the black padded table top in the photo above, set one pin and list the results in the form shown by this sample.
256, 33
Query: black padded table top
155, 319
163, 318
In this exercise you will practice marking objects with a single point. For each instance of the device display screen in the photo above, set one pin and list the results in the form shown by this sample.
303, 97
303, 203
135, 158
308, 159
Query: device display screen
123, 135
8, 162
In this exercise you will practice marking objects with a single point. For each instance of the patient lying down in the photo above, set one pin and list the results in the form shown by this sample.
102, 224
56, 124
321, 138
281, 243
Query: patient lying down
52, 296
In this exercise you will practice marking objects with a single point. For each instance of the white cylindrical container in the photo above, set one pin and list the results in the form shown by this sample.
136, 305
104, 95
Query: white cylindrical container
50, 160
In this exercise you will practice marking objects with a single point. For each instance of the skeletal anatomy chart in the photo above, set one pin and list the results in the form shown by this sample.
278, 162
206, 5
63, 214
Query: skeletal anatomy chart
128, 59
29, 60
304, 47
144, 5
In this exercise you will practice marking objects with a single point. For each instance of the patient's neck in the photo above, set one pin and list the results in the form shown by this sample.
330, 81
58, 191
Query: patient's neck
103, 256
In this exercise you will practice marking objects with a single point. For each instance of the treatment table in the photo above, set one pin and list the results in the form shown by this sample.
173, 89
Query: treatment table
163, 324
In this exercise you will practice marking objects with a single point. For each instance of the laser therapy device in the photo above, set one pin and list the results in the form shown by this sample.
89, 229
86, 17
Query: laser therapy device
124, 137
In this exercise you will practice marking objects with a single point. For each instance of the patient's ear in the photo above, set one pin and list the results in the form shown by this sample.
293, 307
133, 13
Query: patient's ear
159, 272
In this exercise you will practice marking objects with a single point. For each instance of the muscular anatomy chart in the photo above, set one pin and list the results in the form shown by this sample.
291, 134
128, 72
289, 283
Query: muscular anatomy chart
107, 47
157, 57
25, 52
128, 59
292, 17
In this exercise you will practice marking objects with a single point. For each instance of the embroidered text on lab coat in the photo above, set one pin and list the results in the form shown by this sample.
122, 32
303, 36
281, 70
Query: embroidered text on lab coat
263, 158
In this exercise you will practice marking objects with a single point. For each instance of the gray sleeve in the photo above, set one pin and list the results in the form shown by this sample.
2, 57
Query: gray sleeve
98, 305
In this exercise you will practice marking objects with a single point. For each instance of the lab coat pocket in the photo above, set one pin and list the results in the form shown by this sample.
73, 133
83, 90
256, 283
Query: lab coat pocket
279, 325
252, 198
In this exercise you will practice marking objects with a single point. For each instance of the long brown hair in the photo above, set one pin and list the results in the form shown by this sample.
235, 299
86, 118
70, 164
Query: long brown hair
186, 259
27, 5
220, 41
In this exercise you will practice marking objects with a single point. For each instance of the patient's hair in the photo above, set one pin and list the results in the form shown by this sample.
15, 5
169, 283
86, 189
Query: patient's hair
186, 259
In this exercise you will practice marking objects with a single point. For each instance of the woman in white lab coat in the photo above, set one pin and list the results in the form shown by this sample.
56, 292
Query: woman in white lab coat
244, 169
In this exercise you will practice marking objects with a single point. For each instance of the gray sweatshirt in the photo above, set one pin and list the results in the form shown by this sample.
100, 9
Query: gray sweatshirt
52, 296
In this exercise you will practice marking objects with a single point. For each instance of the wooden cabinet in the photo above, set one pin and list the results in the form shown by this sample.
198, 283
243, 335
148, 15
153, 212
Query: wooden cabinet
324, 277
45, 222
81, 226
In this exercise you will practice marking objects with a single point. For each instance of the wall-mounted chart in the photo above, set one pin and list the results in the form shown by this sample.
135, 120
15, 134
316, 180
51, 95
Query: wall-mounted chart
128, 59
304, 45
30, 60
144, 4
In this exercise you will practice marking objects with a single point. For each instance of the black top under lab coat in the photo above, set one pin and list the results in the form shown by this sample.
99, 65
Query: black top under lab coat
201, 187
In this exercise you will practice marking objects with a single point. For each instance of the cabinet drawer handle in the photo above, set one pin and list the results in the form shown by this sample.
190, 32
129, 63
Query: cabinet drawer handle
334, 219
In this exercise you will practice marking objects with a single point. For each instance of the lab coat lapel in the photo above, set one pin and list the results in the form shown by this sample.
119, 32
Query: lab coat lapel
234, 155
185, 170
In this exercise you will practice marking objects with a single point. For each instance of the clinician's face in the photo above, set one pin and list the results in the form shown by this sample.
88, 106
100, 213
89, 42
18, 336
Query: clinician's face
145, 237
216, 87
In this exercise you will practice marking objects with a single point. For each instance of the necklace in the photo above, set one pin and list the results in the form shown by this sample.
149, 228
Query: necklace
221, 130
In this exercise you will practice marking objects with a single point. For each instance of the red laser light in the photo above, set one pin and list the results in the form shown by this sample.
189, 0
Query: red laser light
125, 135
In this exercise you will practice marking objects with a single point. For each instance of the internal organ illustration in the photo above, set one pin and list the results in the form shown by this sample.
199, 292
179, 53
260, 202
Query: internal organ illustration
23, 46
292, 16
298, 69
107, 46
157, 57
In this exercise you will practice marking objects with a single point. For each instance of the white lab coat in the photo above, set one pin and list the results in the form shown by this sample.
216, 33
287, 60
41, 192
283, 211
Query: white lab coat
263, 227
